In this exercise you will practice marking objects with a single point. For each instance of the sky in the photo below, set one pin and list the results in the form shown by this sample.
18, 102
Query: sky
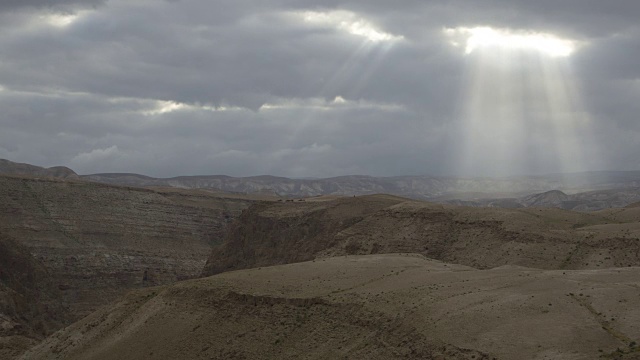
321, 88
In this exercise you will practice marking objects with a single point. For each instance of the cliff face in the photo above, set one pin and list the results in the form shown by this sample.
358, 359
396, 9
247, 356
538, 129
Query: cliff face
286, 232
98, 241
30, 302
278, 233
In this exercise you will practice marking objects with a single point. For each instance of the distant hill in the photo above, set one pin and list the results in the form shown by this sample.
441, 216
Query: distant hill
588, 191
11, 168
431, 188
584, 201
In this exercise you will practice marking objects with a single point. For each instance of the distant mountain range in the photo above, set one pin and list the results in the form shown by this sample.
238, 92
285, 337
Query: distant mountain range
576, 191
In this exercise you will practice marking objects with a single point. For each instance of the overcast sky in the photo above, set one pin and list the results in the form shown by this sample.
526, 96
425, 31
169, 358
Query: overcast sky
321, 88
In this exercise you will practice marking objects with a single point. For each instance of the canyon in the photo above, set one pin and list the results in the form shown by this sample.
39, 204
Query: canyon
90, 270
94, 242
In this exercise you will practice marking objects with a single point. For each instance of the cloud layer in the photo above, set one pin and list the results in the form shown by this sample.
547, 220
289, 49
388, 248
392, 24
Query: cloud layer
312, 88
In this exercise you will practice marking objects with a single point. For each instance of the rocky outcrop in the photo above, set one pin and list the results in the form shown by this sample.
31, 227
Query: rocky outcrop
98, 241
278, 233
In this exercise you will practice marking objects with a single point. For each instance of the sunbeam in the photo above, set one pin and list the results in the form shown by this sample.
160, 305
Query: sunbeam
352, 76
522, 112
480, 37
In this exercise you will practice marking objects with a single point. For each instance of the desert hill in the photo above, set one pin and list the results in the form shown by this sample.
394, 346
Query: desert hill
283, 232
11, 168
396, 306
95, 242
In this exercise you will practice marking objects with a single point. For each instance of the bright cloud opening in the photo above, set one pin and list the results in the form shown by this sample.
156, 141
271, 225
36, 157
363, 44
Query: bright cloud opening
483, 37
163, 107
61, 20
522, 111
348, 22
321, 104
160, 107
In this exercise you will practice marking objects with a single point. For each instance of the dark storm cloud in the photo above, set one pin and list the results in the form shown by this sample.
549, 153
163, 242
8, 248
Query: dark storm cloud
250, 87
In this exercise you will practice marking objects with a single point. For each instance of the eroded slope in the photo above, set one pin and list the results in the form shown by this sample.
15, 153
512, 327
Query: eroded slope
277, 233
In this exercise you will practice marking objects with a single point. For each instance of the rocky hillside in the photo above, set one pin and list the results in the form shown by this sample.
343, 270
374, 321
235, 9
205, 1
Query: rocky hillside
98, 241
367, 307
278, 233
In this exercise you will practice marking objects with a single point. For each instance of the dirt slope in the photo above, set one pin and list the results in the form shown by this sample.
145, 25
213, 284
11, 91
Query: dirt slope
277, 233
367, 307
